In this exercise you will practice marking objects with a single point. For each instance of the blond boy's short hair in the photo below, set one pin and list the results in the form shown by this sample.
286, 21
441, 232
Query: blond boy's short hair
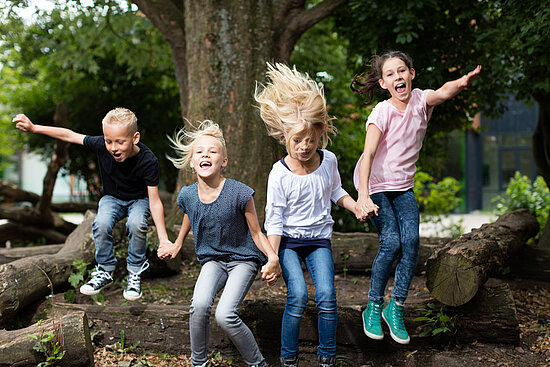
121, 116
183, 141
292, 103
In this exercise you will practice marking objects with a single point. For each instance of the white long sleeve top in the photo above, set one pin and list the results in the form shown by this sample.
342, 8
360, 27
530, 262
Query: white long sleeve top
298, 206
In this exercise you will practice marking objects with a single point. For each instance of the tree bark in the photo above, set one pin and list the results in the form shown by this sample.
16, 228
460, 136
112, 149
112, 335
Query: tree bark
24, 281
165, 328
220, 50
459, 269
27, 233
11, 254
70, 331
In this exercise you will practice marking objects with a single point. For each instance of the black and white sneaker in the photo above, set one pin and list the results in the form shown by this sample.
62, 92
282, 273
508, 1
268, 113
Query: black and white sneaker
100, 279
133, 288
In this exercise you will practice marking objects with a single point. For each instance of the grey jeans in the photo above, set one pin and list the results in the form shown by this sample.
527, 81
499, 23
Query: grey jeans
235, 277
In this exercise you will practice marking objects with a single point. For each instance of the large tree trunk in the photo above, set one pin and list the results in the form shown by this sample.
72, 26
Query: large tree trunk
11, 254
459, 269
220, 50
541, 151
70, 331
24, 281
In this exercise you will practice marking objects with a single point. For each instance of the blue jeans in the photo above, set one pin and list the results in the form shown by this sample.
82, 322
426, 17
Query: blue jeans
235, 277
109, 212
321, 268
397, 224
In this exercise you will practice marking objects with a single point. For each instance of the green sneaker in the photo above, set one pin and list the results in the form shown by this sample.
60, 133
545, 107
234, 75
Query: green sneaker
371, 320
393, 315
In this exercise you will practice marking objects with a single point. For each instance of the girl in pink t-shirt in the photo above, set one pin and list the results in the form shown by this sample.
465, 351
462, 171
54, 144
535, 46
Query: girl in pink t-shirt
384, 178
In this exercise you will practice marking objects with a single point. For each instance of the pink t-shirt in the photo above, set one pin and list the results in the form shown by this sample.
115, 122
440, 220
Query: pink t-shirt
394, 163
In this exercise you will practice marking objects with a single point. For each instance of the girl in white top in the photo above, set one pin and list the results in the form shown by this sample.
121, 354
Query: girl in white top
384, 178
300, 190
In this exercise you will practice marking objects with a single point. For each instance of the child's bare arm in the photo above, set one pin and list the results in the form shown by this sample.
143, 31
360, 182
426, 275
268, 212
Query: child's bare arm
23, 123
169, 251
157, 212
272, 270
452, 88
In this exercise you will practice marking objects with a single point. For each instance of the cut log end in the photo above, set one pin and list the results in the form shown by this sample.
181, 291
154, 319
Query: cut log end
452, 280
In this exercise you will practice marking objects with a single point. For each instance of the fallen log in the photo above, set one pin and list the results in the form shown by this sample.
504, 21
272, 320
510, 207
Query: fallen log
71, 332
11, 254
26, 280
165, 328
456, 272
27, 233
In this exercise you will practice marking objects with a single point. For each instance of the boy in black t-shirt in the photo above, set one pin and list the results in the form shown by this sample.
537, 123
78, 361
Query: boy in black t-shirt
129, 176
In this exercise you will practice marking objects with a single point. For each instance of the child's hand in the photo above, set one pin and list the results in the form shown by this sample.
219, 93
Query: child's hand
271, 271
167, 250
365, 208
468, 79
23, 123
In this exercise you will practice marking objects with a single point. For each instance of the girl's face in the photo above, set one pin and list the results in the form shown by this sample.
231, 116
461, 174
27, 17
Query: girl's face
397, 79
208, 158
303, 145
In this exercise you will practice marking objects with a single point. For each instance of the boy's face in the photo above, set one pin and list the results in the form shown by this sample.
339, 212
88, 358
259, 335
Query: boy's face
120, 142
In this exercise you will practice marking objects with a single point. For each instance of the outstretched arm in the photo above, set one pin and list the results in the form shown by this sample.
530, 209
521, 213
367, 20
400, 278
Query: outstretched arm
452, 88
272, 270
23, 123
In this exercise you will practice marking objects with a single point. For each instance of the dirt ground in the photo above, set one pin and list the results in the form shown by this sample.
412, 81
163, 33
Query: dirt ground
532, 299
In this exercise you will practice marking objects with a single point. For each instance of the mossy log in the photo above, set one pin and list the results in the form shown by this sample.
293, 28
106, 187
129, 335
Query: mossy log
70, 331
456, 272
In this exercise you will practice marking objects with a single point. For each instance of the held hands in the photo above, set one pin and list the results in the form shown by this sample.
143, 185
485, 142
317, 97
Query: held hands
271, 271
365, 208
167, 250
23, 123
468, 79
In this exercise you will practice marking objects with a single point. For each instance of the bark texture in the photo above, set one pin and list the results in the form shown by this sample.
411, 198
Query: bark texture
70, 331
24, 281
220, 50
459, 269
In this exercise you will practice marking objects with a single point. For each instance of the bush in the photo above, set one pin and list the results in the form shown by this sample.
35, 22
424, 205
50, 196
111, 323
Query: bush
524, 193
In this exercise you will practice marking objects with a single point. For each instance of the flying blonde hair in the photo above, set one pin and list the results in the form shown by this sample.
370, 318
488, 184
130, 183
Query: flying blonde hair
291, 103
121, 116
183, 141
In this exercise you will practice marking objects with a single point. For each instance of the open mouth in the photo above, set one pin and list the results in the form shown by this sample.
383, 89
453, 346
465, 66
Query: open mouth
401, 88
117, 155
205, 164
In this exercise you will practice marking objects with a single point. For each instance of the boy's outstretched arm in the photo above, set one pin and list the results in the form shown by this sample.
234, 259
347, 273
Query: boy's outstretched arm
157, 212
23, 123
452, 88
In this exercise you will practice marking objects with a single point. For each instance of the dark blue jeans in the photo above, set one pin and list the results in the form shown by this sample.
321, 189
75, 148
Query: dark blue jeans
109, 212
320, 265
397, 224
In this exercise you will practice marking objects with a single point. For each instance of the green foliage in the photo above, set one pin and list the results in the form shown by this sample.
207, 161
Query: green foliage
81, 272
435, 321
46, 344
523, 193
122, 347
436, 197
93, 58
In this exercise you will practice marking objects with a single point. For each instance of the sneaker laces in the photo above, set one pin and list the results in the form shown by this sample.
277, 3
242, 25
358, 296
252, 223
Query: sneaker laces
375, 312
397, 317
134, 279
99, 276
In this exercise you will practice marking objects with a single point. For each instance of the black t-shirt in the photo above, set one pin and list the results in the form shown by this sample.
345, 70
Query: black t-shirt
126, 180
